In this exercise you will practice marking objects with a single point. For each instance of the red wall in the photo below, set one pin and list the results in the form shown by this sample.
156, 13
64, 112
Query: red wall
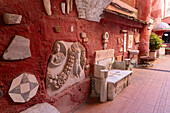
157, 8
166, 20
38, 27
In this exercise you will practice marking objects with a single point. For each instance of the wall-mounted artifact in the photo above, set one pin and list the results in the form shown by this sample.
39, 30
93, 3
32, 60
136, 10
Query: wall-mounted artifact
23, 88
47, 6
130, 41
125, 37
41, 108
83, 35
57, 29
91, 9
105, 39
1, 93
121, 49
85, 40
118, 40
18, 49
122, 40
12, 18
123, 31
72, 28
63, 8
68, 6
137, 39
71, 5
66, 66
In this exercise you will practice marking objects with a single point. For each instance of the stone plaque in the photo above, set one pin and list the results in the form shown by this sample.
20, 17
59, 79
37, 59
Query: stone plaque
66, 66
130, 41
137, 39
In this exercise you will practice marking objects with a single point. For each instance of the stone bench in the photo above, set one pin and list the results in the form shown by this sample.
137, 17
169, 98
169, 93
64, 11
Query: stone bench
109, 82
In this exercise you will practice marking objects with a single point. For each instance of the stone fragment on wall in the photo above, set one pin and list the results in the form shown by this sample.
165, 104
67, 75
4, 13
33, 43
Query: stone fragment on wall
91, 9
41, 108
47, 6
12, 18
23, 88
18, 49
66, 66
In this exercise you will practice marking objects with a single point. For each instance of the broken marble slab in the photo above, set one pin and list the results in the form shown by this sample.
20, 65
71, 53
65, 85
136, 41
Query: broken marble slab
47, 6
41, 108
18, 49
23, 88
12, 18
63, 8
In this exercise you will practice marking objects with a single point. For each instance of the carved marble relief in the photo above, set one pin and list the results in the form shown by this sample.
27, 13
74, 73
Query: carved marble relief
66, 66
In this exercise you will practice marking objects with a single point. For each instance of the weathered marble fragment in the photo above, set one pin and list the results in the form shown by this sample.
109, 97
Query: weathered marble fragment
91, 9
41, 108
47, 6
12, 18
23, 88
63, 8
18, 49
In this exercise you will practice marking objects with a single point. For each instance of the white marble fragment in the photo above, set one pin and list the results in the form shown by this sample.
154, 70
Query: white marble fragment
63, 8
41, 108
12, 18
18, 49
47, 6
72, 29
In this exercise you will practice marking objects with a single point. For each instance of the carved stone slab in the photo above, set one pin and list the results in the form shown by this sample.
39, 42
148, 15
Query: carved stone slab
23, 88
104, 54
91, 9
12, 18
66, 66
41, 108
18, 49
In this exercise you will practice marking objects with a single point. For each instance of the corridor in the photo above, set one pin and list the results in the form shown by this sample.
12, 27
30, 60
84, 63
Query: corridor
149, 92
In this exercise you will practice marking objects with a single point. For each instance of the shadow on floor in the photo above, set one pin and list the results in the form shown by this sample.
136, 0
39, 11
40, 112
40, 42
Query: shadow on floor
156, 69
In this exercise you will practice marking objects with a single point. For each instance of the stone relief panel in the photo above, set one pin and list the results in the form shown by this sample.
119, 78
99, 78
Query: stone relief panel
91, 9
66, 66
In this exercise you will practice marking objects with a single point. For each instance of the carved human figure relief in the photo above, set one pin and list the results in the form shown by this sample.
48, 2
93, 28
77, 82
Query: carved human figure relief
65, 67
57, 57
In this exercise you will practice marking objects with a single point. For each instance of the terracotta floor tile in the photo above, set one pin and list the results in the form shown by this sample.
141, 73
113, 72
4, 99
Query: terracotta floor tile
146, 107
151, 100
167, 109
161, 110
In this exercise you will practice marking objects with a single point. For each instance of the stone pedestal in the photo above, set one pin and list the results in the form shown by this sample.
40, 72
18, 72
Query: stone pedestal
161, 52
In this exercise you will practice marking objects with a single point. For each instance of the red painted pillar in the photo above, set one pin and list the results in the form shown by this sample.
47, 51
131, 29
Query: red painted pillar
144, 8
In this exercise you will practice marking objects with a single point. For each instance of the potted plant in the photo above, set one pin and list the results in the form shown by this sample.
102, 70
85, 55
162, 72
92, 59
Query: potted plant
155, 44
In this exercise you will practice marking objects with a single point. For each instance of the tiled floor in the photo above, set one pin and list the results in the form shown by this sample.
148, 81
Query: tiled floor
148, 93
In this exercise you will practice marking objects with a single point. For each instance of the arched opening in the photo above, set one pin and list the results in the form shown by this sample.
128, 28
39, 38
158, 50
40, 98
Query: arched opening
166, 37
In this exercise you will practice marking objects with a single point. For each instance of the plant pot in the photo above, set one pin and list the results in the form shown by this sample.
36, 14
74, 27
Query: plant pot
152, 54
